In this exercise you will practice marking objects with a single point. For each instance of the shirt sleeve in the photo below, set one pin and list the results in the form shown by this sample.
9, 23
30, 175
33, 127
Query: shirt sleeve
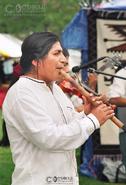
118, 88
37, 127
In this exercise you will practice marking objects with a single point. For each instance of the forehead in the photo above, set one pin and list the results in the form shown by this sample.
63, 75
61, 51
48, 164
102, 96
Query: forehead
56, 47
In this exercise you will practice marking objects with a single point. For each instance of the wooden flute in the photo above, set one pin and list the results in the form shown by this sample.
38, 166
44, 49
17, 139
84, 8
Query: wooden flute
85, 93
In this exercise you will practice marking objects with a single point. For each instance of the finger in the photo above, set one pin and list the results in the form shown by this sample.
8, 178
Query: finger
98, 102
91, 94
113, 107
102, 106
109, 116
96, 98
106, 108
85, 100
109, 112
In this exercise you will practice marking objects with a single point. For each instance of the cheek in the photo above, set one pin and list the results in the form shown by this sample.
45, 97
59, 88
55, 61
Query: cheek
50, 69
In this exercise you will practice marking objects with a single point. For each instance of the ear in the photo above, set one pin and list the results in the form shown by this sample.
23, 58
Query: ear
35, 63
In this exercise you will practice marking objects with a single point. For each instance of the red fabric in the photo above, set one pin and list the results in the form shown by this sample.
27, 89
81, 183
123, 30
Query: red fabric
17, 70
3, 92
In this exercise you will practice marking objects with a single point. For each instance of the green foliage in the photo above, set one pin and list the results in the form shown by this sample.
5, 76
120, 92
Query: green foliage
21, 17
25, 16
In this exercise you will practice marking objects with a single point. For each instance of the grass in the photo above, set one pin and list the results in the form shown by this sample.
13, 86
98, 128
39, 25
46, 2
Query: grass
6, 168
6, 163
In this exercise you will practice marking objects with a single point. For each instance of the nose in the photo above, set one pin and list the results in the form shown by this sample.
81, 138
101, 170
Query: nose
63, 58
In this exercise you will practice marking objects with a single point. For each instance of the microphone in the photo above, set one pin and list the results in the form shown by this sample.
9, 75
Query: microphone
76, 69
111, 62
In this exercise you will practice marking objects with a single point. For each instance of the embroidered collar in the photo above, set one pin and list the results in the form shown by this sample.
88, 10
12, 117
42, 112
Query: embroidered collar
33, 79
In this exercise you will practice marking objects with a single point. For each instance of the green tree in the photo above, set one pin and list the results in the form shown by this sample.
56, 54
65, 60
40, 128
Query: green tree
21, 17
25, 16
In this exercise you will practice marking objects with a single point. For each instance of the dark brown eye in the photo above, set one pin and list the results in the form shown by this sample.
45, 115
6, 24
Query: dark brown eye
57, 53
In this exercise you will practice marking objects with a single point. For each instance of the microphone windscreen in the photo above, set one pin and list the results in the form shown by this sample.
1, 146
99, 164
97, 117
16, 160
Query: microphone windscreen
76, 69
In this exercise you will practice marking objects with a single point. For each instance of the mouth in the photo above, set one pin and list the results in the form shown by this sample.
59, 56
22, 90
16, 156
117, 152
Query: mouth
59, 69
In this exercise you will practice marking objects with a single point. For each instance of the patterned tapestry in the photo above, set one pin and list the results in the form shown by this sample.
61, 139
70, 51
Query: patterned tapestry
111, 41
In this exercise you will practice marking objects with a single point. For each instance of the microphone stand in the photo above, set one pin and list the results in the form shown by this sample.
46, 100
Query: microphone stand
92, 70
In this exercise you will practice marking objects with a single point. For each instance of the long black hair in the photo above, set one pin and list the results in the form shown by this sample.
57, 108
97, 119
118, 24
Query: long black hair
35, 47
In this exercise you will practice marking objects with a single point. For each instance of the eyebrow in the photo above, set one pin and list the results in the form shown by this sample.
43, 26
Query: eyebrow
57, 50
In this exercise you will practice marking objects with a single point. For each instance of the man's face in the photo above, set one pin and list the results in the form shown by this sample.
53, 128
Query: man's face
50, 66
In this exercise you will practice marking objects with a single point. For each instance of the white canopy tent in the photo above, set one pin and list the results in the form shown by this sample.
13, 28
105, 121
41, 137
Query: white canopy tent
10, 46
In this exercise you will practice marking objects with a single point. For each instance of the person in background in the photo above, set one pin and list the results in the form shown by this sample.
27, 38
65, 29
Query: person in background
68, 89
15, 76
87, 148
117, 96
8, 69
79, 103
43, 128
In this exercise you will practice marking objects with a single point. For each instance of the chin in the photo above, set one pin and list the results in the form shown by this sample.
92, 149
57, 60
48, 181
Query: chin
59, 78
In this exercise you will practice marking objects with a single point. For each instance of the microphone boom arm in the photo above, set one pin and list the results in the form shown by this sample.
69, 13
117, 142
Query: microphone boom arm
92, 70
113, 61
